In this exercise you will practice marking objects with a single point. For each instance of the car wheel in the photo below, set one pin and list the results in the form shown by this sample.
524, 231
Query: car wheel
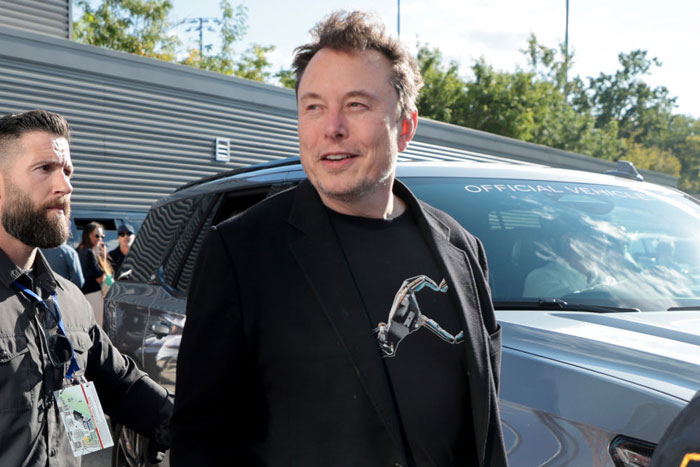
129, 448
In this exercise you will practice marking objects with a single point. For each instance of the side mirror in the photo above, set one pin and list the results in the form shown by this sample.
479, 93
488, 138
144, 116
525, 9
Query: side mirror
160, 329
125, 275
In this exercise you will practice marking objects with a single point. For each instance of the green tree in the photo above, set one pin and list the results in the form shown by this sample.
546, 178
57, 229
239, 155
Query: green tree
141, 27
134, 26
683, 140
651, 158
529, 105
642, 112
232, 28
286, 78
254, 64
549, 64
443, 89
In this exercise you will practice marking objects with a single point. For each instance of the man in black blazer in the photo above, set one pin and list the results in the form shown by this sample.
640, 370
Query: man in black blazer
680, 444
342, 322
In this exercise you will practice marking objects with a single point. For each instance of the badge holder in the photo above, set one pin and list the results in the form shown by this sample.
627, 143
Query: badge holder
78, 404
82, 415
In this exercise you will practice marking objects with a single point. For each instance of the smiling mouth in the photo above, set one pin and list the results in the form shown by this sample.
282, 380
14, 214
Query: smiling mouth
337, 157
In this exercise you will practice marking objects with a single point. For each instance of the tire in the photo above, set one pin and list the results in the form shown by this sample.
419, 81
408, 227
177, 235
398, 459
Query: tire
130, 449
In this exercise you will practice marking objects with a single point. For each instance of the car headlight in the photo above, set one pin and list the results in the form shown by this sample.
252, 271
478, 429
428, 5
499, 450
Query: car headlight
630, 452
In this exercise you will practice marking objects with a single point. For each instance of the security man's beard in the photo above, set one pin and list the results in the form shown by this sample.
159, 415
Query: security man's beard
30, 225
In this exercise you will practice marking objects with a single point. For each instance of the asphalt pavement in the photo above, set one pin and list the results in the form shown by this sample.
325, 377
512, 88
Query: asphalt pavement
101, 458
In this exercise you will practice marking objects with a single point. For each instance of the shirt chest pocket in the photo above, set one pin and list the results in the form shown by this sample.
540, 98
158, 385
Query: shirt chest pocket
19, 374
81, 342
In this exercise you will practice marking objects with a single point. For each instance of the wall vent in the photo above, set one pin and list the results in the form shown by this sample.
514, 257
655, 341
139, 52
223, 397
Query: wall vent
223, 149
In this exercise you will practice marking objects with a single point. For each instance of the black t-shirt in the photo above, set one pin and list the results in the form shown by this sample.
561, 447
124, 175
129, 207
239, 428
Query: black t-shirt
91, 270
116, 258
427, 374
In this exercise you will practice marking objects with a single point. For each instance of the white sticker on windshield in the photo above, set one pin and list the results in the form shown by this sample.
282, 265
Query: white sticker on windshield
563, 189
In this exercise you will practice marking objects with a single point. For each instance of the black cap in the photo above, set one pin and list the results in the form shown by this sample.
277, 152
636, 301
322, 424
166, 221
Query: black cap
126, 228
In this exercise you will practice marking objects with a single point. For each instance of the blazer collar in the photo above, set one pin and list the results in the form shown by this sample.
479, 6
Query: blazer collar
323, 264
319, 255
457, 266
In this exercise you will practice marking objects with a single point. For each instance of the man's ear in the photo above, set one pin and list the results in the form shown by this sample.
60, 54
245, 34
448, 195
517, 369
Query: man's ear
408, 129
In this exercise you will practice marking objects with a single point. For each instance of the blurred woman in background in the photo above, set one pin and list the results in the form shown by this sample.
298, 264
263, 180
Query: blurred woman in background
89, 248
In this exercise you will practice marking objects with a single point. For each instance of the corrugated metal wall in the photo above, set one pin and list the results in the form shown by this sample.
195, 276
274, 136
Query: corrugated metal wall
51, 17
143, 127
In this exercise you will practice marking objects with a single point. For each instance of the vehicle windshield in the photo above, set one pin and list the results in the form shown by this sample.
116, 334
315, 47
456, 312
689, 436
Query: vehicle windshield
582, 243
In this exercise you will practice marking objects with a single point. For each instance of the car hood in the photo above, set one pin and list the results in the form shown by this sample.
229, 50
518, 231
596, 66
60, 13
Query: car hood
658, 350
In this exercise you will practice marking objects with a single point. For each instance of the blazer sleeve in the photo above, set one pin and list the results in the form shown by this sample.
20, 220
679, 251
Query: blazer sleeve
476, 254
211, 367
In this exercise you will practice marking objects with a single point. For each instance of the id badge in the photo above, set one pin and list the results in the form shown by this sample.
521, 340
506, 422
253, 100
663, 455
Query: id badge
82, 415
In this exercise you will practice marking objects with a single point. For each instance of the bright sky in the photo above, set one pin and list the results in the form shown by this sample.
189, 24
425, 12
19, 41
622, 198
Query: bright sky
465, 30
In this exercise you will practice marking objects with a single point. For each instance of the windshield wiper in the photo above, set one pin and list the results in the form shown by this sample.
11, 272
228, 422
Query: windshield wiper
684, 308
558, 304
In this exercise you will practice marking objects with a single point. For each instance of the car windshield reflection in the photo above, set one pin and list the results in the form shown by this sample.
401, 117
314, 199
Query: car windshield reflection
609, 246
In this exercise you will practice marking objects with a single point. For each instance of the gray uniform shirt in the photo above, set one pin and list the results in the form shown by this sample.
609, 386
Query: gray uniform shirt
31, 432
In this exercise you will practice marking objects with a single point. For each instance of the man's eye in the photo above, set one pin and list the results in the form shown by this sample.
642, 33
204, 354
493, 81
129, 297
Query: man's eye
357, 105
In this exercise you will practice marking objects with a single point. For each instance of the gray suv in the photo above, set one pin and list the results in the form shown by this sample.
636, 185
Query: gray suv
595, 279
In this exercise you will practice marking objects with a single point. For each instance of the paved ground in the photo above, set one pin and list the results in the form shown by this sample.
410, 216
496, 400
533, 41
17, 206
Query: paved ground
101, 458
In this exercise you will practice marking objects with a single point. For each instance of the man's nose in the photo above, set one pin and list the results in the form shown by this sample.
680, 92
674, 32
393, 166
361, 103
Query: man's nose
336, 124
63, 183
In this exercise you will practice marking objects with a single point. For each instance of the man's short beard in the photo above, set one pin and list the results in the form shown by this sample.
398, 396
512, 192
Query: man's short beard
362, 189
31, 226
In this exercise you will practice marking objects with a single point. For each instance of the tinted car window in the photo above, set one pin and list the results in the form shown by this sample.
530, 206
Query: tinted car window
179, 265
159, 233
591, 244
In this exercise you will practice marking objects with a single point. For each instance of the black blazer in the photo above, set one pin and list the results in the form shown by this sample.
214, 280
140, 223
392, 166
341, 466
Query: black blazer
275, 351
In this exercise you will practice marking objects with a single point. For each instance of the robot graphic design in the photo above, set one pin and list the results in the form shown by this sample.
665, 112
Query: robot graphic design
405, 317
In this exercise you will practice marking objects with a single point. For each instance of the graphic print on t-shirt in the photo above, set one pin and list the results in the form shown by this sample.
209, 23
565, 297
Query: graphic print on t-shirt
406, 318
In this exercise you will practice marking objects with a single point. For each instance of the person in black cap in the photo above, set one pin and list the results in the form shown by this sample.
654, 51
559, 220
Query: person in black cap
126, 238
680, 445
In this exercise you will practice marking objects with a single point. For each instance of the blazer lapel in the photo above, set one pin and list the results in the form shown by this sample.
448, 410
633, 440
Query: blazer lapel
319, 256
458, 269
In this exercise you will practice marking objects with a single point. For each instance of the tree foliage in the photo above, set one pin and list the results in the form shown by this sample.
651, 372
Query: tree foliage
286, 78
254, 64
642, 112
134, 26
232, 27
611, 116
142, 27
444, 90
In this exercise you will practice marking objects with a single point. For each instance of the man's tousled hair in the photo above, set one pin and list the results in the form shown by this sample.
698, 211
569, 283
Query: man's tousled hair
13, 126
359, 31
